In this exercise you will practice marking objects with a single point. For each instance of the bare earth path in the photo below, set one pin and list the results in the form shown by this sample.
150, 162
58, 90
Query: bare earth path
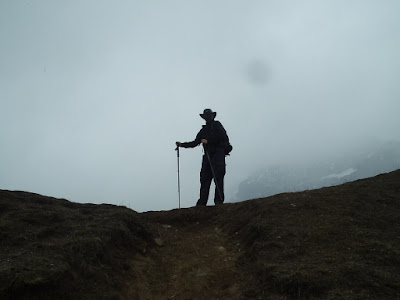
193, 261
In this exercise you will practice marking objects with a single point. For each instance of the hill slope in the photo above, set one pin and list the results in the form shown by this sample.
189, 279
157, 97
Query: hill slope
339, 242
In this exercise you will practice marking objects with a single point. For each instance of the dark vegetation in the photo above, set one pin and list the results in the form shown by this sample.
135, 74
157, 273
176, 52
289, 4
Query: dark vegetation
53, 248
339, 242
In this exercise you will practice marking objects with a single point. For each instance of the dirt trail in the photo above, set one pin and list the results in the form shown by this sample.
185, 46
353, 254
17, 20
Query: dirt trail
193, 261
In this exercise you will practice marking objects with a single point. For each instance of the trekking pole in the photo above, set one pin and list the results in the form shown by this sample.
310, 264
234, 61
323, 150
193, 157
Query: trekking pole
179, 183
215, 179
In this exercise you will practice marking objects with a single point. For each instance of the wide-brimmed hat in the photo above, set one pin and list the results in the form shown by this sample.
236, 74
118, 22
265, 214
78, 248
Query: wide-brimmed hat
208, 112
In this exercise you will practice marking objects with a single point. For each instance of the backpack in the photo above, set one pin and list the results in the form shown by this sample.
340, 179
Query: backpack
227, 148
226, 144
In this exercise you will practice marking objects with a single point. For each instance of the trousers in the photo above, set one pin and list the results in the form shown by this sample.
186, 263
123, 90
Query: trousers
214, 164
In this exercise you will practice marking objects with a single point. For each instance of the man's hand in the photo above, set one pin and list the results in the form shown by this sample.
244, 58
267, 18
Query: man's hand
204, 141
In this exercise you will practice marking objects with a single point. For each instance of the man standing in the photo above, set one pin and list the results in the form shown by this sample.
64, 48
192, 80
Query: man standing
214, 139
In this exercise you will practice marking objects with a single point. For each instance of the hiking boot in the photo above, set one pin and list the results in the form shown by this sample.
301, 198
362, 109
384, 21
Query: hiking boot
201, 203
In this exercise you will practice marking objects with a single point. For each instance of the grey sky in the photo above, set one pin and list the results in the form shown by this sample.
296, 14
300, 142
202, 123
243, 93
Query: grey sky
93, 94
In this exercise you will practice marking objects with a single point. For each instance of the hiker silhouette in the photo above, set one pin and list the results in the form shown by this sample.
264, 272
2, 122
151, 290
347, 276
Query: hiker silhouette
214, 139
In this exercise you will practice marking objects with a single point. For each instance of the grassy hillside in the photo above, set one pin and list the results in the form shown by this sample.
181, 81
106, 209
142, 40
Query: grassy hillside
339, 242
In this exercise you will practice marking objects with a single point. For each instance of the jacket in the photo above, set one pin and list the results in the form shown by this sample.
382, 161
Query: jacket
215, 135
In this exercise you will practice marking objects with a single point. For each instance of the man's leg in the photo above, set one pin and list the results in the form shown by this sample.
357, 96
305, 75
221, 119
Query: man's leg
205, 183
219, 196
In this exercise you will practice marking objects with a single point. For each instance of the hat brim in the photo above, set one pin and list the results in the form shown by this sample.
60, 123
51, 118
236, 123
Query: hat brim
214, 113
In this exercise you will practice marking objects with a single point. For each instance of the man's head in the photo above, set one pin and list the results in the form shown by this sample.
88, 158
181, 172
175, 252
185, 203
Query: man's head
208, 115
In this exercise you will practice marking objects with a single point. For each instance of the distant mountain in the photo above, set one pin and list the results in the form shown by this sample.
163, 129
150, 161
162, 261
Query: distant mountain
333, 171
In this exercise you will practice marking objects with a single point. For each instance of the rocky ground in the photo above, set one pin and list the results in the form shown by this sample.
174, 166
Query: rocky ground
339, 242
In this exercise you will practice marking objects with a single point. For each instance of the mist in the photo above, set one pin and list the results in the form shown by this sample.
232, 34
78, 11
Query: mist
94, 95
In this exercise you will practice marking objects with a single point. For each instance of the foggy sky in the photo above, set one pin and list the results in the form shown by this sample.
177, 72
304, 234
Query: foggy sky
94, 94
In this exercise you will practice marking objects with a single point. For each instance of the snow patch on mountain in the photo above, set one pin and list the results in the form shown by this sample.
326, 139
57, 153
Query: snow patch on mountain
341, 175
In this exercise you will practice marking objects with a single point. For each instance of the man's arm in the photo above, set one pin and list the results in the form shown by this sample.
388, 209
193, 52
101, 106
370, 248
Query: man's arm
191, 144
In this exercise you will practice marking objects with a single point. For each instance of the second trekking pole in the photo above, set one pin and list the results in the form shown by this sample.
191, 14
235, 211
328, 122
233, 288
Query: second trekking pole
215, 179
